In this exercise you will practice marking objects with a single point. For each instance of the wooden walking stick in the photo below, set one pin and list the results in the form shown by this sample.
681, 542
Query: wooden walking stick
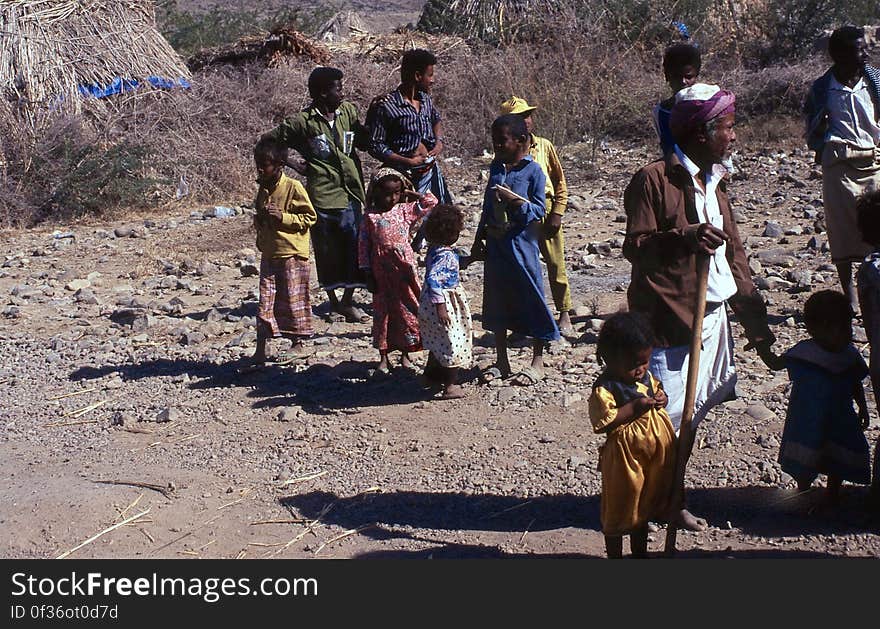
686, 430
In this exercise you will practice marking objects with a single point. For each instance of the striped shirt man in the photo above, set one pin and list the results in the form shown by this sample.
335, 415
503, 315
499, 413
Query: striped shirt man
399, 128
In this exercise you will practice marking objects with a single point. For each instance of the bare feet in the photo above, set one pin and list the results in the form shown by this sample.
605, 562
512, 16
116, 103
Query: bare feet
352, 314
452, 392
528, 376
405, 362
687, 521
564, 323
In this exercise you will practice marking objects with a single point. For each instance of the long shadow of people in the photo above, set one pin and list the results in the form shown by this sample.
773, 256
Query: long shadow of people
319, 388
758, 511
450, 511
778, 512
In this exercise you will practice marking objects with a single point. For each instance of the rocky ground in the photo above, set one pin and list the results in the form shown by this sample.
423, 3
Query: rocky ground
119, 344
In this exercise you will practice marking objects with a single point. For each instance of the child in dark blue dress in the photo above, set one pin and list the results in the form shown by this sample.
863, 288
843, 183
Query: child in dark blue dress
823, 434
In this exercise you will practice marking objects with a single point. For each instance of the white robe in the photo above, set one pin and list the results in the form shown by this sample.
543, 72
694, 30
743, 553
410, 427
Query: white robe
717, 377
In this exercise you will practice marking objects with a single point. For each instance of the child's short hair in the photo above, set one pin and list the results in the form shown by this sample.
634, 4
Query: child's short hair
416, 60
624, 333
444, 224
826, 306
679, 55
270, 148
842, 38
322, 78
868, 216
513, 123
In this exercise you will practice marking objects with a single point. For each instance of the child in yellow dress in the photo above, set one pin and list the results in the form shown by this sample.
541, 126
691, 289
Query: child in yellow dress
638, 459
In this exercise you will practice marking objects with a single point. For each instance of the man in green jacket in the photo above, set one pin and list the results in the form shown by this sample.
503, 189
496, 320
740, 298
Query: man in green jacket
326, 134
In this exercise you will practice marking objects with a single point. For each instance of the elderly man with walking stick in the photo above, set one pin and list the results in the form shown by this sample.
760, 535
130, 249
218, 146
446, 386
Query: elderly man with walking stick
688, 260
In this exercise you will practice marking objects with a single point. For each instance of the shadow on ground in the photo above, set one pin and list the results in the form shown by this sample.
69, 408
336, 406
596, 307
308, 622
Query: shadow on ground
318, 388
755, 511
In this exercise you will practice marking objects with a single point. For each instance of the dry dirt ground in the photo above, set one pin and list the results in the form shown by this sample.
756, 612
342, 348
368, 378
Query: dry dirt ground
119, 344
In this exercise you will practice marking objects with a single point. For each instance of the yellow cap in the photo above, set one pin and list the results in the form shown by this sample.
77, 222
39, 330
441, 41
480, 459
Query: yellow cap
516, 105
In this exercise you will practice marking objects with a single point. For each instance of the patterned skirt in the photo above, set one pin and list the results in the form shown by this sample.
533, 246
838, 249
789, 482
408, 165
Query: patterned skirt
451, 346
285, 309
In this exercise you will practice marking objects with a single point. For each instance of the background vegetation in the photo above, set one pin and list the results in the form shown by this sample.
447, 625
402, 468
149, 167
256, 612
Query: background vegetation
592, 67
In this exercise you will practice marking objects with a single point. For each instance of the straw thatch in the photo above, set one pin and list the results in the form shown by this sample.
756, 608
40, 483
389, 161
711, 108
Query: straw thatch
491, 20
279, 44
341, 26
50, 48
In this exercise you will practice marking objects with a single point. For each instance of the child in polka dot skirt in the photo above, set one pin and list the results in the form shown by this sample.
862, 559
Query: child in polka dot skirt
444, 313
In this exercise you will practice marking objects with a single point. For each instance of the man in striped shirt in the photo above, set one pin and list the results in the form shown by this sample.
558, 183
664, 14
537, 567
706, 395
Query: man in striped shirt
406, 127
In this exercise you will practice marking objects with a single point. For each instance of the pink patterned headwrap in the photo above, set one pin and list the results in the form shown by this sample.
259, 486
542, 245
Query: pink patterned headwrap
696, 105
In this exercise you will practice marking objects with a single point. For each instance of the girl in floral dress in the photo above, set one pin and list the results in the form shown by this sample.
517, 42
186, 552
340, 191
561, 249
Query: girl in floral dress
385, 254
444, 312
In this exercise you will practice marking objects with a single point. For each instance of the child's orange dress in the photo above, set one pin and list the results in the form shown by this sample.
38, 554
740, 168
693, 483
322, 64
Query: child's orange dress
638, 459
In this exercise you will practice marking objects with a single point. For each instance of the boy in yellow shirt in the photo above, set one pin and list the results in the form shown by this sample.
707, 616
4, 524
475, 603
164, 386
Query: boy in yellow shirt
284, 216
552, 241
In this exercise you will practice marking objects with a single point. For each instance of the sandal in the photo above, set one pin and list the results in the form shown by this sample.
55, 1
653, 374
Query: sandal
297, 352
490, 374
528, 377
250, 368
379, 374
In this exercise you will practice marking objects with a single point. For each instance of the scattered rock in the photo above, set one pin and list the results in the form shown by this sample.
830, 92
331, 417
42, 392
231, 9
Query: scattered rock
249, 269
760, 413
288, 414
76, 285
168, 414
773, 230
86, 296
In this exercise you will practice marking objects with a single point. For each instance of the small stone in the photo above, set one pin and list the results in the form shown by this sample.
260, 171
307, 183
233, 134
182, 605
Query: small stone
815, 243
288, 414
600, 248
773, 230
86, 296
859, 335
576, 461
248, 269
192, 338
76, 285
120, 418
755, 266
123, 232
206, 268
114, 383
570, 399
169, 281
803, 279
506, 394
169, 414
760, 413
141, 322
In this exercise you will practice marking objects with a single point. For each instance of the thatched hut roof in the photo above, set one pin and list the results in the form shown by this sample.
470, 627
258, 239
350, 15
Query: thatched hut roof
56, 54
281, 43
492, 20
